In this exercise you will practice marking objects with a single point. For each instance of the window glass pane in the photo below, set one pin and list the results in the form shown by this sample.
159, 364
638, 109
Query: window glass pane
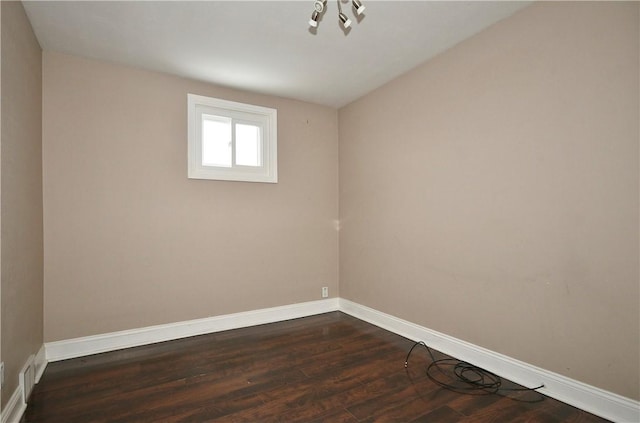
248, 145
216, 141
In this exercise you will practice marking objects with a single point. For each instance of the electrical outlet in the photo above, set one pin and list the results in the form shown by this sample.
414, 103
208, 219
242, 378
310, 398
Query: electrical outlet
325, 291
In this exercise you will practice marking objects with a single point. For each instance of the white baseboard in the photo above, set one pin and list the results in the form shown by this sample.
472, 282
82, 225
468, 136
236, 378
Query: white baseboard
586, 397
40, 362
15, 407
78, 347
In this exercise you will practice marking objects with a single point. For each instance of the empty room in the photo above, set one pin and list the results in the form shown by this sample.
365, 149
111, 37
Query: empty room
319, 211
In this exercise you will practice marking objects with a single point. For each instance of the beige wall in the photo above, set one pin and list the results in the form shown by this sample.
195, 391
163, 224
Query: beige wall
21, 212
131, 242
492, 193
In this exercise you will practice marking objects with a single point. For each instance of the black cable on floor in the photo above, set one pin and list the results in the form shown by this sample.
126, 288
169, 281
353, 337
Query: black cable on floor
466, 378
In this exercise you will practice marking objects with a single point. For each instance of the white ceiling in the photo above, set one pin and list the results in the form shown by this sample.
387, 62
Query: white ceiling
265, 46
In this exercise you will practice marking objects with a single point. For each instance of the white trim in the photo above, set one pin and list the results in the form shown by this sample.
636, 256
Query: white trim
27, 378
15, 407
40, 363
78, 347
578, 394
13, 410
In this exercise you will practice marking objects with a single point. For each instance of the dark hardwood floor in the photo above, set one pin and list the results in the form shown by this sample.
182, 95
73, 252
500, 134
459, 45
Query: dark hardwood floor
330, 367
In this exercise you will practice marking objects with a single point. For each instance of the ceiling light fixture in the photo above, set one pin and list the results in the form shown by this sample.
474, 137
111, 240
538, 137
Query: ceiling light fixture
319, 7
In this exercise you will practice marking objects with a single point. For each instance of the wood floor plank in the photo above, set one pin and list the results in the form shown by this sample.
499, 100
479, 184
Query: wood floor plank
442, 414
325, 368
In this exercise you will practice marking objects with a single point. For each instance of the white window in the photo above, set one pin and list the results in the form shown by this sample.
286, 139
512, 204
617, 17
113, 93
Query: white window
231, 141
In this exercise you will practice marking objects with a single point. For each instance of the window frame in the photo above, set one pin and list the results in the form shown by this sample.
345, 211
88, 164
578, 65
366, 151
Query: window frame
264, 117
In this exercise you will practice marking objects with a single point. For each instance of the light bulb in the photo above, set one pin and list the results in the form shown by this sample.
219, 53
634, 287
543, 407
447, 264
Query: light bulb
346, 22
313, 22
357, 4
